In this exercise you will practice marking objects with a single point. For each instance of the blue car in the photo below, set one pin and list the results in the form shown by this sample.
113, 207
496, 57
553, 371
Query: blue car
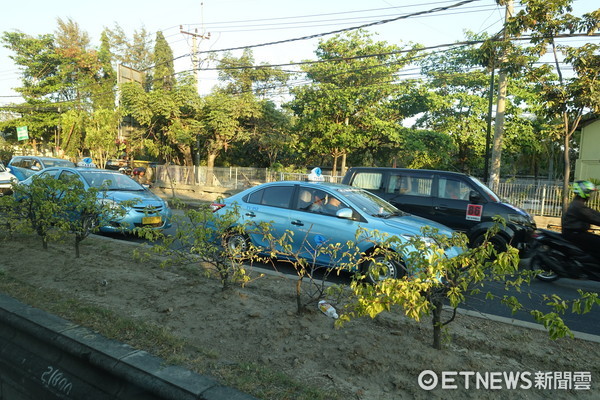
148, 209
319, 213
21, 173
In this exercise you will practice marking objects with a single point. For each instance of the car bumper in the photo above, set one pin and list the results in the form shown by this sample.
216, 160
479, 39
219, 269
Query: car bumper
135, 220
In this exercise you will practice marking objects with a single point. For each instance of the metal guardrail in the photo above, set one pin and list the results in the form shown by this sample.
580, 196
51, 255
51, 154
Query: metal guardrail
541, 199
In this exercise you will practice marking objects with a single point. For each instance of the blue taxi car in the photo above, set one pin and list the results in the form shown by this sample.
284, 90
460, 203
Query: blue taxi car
115, 188
318, 213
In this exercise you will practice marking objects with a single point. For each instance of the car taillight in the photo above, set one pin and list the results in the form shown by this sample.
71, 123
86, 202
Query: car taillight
216, 206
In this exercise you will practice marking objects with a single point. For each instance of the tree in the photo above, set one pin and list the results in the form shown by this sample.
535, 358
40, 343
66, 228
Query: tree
167, 118
565, 99
223, 121
135, 52
345, 105
456, 102
104, 92
163, 76
434, 280
40, 65
241, 75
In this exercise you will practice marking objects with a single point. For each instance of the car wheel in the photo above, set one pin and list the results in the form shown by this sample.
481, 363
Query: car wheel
500, 244
537, 263
379, 269
237, 244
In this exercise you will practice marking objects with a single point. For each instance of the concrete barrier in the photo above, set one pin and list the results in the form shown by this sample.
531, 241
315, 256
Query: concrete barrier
43, 356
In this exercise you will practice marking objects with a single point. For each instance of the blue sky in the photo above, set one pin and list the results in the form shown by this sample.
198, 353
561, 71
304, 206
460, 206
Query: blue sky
233, 23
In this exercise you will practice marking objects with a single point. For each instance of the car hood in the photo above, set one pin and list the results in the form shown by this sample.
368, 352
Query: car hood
413, 224
6, 176
144, 197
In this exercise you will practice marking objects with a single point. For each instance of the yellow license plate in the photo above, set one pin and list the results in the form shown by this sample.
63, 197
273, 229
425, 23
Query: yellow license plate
151, 220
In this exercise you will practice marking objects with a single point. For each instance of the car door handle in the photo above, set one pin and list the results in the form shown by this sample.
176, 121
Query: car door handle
298, 223
441, 208
250, 214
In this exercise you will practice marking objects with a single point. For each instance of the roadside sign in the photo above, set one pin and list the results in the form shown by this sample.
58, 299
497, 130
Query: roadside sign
22, 133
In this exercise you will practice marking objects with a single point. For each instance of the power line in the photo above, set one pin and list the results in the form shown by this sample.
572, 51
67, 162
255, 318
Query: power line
317, 35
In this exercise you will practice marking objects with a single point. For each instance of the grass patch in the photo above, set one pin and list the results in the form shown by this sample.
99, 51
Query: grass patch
256, 380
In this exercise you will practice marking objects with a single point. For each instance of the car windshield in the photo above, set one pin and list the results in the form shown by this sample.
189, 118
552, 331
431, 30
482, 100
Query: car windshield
369, 203
105, 180
2, 169
486, 189
58, 163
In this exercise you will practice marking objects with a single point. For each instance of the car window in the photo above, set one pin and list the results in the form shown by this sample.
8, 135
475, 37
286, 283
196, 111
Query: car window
399, 184
453, 189
255, 197
36, 165
367, 180
318, 201
58, 163
368, 202
486, 189
274, 196
419, 186
25, 163
52, 173
68, 176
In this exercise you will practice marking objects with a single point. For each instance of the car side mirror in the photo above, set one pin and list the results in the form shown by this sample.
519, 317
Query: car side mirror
345, 213
474, 196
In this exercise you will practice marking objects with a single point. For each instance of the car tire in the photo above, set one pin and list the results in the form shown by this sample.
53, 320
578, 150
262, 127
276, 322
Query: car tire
499, 243
237, 243
537, 263
388, 269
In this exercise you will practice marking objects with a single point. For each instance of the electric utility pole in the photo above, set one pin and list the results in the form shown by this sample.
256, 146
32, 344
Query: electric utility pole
500, 109
195, 57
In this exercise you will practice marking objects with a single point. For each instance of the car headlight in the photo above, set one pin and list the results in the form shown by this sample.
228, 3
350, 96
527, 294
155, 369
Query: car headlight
519, 219
111, 204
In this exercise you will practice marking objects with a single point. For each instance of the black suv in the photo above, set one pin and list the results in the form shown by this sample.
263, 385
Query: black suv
456, 200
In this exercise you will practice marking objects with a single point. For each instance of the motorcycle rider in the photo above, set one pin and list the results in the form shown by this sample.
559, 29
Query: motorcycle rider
579, 216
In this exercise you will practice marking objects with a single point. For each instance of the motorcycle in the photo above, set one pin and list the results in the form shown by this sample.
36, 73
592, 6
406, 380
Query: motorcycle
556, 257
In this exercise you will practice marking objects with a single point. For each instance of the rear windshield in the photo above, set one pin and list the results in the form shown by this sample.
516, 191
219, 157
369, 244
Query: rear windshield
58, 163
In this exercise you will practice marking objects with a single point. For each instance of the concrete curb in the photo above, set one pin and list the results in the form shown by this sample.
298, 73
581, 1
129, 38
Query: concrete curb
520, 323
35, 340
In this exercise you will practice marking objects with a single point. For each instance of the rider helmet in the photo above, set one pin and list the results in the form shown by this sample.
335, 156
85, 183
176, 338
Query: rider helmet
584, 189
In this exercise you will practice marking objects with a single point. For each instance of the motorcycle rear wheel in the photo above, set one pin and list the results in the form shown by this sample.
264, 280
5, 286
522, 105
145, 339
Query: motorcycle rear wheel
538, 264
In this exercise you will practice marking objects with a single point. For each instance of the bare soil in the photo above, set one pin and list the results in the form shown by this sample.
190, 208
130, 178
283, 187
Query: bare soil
367, 358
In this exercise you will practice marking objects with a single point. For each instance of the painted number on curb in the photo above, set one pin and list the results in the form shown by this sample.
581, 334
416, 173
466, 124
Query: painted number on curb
54, 378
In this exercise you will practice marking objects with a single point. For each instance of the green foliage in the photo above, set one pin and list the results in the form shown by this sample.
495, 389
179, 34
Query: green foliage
434, 280
212, 243
347, 105
164, 71
54, 208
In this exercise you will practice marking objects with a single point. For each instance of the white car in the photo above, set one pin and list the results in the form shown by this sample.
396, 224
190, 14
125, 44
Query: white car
6, 179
